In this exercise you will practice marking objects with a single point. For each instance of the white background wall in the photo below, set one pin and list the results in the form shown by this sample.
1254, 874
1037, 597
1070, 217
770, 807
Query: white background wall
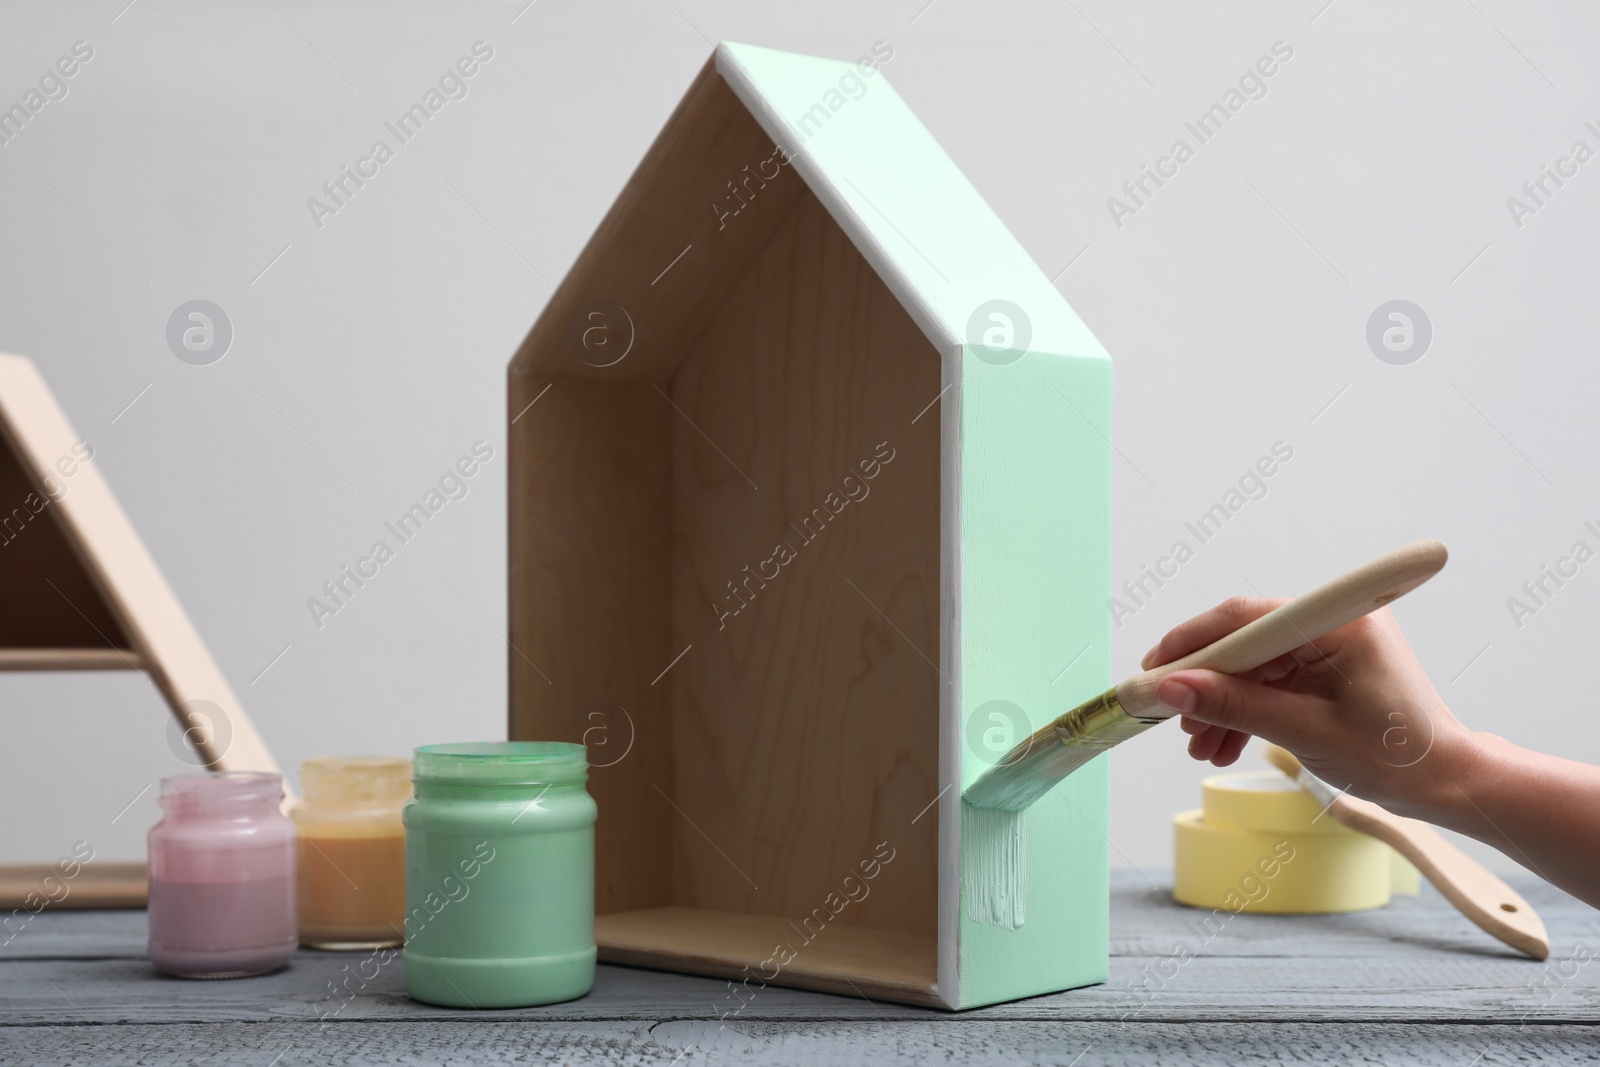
370, 354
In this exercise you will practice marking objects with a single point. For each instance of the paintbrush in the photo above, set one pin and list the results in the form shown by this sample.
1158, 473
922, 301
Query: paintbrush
1032, 768
1476, 893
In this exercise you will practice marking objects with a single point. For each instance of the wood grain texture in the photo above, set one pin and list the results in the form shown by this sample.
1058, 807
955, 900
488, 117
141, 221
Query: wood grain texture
1409, 983
1144, 924
702, 193
590, 528
835, 958
824, 1045
1306, 987
798, 741
806, 720
588, 609
1026, 496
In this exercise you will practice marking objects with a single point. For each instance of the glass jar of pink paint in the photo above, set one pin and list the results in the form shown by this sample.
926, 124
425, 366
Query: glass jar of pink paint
222, 877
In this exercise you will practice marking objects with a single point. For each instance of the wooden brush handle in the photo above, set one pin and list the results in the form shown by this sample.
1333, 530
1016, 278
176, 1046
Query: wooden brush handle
1476, 893
1302, 620
1495, 907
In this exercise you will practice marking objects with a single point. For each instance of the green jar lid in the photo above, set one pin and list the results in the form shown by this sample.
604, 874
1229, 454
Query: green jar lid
502, 763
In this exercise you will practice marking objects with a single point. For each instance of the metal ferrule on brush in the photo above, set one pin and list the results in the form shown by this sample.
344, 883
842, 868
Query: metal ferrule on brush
1100, 723
1055, 750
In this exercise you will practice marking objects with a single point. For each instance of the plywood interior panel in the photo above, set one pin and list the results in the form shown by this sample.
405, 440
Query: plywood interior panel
851, 961
589, 614
50, 601
793, 739
705, 198
805, 719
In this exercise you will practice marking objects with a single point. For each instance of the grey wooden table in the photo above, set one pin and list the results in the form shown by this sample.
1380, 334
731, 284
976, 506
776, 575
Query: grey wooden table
1413, 983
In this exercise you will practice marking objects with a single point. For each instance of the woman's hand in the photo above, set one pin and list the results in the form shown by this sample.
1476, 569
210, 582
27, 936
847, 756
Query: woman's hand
1358, 711
1354, 706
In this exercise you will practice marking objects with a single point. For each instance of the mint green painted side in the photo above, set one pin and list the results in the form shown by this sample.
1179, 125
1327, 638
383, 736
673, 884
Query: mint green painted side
1034, 473
1036, 567
944, 242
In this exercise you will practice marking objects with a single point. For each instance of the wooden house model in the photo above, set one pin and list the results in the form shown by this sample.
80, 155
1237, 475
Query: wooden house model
809, 522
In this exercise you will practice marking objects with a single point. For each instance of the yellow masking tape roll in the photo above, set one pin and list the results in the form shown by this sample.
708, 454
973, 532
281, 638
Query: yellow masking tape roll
1258, 847
1264, 801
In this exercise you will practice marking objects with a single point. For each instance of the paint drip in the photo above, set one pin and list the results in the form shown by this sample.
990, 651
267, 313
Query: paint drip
994, 865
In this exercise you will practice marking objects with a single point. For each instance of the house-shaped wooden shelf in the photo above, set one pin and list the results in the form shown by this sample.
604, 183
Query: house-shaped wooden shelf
810, 468
79, 591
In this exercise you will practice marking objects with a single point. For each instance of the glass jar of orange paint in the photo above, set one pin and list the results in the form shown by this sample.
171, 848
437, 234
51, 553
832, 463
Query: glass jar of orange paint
352, 853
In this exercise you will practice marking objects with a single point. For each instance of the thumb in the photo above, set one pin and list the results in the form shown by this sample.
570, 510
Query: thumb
1281, 717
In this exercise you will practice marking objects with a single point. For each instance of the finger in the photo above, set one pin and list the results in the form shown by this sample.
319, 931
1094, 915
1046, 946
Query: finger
1203, 746
1193, 726
1212, 736
1279, 715
1207, 627
1274, 670
1228, 752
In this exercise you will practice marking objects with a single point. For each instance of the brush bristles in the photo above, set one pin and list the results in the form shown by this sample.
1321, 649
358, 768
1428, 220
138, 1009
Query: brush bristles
1283, 759
1033, 768
1016, 784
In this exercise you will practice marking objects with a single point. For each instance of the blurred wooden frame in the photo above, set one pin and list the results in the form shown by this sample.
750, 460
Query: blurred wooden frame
79, 592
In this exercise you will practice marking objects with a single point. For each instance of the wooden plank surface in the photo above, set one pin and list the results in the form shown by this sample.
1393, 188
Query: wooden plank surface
1411, 983
901, 1043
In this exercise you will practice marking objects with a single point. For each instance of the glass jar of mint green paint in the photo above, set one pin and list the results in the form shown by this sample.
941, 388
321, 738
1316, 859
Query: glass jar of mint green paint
499, 875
